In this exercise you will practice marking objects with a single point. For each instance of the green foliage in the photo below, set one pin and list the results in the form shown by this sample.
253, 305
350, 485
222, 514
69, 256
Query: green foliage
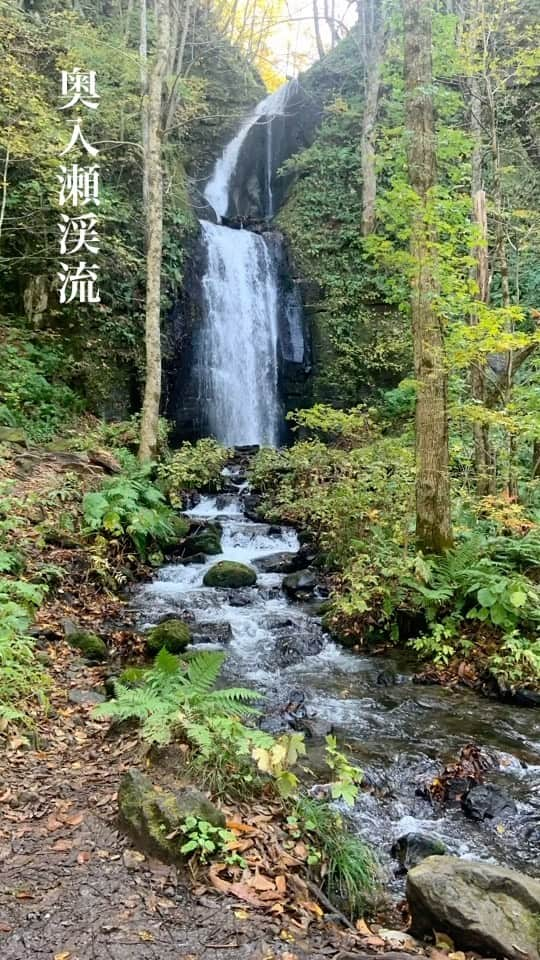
347, 777
206, 842
342, 862
131, 507
177, 697
32, 393
21, 678
343, 496
193, 466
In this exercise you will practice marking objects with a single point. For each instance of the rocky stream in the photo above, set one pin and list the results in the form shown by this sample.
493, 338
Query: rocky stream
400, 733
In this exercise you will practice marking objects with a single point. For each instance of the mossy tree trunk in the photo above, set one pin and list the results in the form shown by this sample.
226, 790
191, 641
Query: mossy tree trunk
433, 521
153, 179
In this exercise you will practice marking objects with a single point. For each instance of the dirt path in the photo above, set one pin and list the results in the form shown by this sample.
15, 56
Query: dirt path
72, 887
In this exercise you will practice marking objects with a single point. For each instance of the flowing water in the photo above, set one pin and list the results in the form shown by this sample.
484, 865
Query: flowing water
237, 345
400, 735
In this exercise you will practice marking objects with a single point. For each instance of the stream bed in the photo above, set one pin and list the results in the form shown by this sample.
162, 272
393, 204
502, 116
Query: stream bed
400, 733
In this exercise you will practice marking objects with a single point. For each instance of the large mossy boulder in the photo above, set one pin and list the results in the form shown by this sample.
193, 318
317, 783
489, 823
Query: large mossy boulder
226, 573
91, 646
153, 817
173, 634
207, 541
12, 435
481, 906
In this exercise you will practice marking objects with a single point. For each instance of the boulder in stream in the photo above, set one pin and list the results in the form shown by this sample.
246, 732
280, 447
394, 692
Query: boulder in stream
206, 540
300, 584
276, 562
481, 906
153, 816
411, 848
227, 573
173, 634
487, 802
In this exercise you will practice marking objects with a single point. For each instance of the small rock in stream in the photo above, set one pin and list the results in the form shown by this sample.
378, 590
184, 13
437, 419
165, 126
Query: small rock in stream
411, 848
487, 802
300, 584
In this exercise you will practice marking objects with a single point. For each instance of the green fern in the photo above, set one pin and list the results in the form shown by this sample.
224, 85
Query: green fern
175, 696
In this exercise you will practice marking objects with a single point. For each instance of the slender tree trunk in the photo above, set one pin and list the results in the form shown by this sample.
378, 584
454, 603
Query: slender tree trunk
318, 38
483, 452
372, 44
433, 521
154, 234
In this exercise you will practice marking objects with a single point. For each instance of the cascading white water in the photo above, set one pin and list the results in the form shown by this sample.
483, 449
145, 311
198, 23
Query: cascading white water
238, 340
217, 188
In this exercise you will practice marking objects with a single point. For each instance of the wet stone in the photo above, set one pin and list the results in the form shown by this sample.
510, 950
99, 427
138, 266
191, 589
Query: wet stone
487, 802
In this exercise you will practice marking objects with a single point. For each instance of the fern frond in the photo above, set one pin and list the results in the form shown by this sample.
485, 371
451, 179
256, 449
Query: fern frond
203, 670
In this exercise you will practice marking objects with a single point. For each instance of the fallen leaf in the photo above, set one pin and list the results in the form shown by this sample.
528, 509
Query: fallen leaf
62, 846
83, 856
259, 882
241, 914
146, 936
281, 883
363, 928
75, 819
64, 955
4, 927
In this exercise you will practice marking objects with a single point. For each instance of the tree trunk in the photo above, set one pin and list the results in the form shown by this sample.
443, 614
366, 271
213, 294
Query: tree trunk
483, 451
433, 522
154, 234
372, 45
318, 38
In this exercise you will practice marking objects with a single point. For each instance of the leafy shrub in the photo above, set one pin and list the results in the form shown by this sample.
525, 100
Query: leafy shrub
205, 841
131, 507
31, 394
197, 465
21, 678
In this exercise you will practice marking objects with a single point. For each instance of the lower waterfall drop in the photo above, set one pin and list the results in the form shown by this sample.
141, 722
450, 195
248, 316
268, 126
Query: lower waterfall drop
238, 381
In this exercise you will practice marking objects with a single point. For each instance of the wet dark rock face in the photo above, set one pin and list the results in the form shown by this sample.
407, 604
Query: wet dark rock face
287, 134
487, 802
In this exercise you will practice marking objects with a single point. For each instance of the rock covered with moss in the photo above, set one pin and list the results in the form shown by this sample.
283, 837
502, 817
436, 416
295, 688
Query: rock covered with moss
227, 573
207, 541
481, 906
173, 634
153, 817
92, 646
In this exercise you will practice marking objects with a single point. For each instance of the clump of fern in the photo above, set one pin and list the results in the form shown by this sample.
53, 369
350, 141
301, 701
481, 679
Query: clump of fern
179, 697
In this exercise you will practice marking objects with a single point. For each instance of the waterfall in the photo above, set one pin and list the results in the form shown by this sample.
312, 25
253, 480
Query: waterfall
237, 363
238, 372
217, 189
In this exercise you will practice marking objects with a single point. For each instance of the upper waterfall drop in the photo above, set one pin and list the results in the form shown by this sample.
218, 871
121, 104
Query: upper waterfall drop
217, 189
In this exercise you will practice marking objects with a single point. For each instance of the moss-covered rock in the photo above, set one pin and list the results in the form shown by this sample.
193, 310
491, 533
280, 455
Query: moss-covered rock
180, 526
172, 634
90, 645
207, 541
12, 435
481, 906
226, 573
153, 817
